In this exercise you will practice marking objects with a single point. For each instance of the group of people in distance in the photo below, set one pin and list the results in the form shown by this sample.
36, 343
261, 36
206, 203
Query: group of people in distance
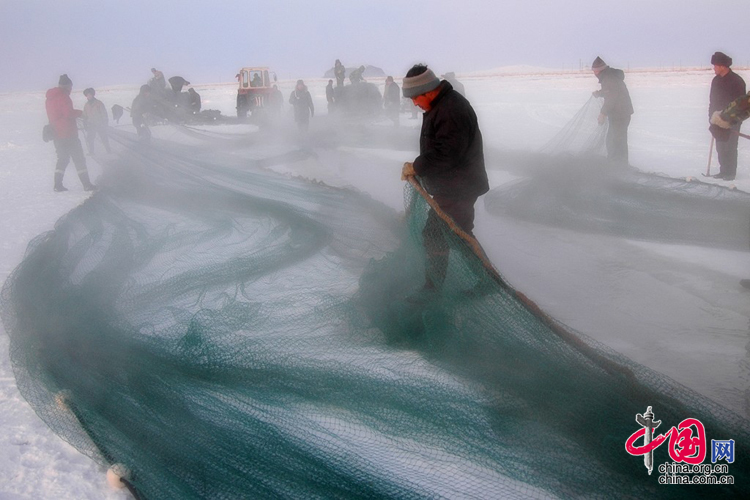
451, 157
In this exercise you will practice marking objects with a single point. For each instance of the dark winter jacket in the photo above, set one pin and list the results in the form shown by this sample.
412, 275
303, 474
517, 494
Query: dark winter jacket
451, 155
302, 102
617, 103
340, 73
724, 90
61, 114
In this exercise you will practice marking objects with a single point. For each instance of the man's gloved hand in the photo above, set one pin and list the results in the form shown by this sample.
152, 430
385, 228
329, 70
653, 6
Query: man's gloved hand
717, 120
407, 171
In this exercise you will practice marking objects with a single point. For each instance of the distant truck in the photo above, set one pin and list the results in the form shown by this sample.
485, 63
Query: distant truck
255, 89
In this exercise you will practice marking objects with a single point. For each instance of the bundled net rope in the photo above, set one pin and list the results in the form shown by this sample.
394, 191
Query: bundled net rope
223, 332
582, 134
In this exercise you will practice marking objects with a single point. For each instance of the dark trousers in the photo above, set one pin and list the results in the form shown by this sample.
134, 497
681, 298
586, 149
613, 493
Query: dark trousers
436, 246
727, 152
66, 149
617, 138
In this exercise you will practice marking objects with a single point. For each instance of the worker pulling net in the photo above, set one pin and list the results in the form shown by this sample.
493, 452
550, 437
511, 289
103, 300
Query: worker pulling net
224, 332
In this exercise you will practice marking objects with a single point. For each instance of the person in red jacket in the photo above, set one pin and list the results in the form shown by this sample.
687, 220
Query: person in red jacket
62, 117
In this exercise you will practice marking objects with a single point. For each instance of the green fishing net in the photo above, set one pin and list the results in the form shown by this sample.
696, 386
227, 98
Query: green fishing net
226, 332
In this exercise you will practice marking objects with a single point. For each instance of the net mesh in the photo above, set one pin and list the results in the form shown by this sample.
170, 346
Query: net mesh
582, 134
225, 332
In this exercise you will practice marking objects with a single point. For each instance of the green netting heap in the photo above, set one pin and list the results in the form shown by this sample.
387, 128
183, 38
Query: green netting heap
224, 332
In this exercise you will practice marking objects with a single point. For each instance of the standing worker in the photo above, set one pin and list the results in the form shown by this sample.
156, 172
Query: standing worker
96, 120
450, 162
392, 100
62, 117
339, 71
725, 88
616, 110
301, 101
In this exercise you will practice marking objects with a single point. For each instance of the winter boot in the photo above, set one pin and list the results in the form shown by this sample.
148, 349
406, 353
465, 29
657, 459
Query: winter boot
87, 186
58, 182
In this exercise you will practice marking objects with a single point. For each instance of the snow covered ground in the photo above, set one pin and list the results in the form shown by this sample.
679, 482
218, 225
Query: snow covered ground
674, 308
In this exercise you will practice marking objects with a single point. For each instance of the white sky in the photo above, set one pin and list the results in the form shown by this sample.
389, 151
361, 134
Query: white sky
105, 42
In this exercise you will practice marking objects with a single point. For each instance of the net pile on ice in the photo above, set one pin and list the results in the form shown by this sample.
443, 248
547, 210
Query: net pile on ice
586, 194
224, 332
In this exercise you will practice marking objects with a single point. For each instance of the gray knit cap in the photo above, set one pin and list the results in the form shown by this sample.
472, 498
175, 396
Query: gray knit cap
420, 84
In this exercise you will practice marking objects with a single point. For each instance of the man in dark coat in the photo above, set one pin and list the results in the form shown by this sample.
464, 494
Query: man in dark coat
339, 71
616, 110
143, 105
63, 117
301, 101
725, 88
450, 162
392, 100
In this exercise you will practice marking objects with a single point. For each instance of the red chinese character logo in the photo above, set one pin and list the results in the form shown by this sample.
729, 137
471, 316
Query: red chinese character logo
683, 447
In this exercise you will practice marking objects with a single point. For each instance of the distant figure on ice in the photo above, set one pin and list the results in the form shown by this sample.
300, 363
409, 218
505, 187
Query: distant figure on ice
357, 75
329, 96
392, 100
62, 117
617, 108
457, 86
276, 101
157, 82
339, 71
725, 88
301, 101
450, 162
194, 101
95, 120
142, 106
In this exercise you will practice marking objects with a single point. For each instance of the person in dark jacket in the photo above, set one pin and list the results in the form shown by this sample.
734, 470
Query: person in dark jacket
616, 110
143, 105
63, 117
358, 75
301, 101
725, 88
450, 162
392, 100
339, 71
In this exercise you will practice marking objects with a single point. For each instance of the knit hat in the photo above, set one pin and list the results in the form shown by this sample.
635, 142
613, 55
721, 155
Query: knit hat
721, 59
89, 91
598, 63
64, 81
420, 84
